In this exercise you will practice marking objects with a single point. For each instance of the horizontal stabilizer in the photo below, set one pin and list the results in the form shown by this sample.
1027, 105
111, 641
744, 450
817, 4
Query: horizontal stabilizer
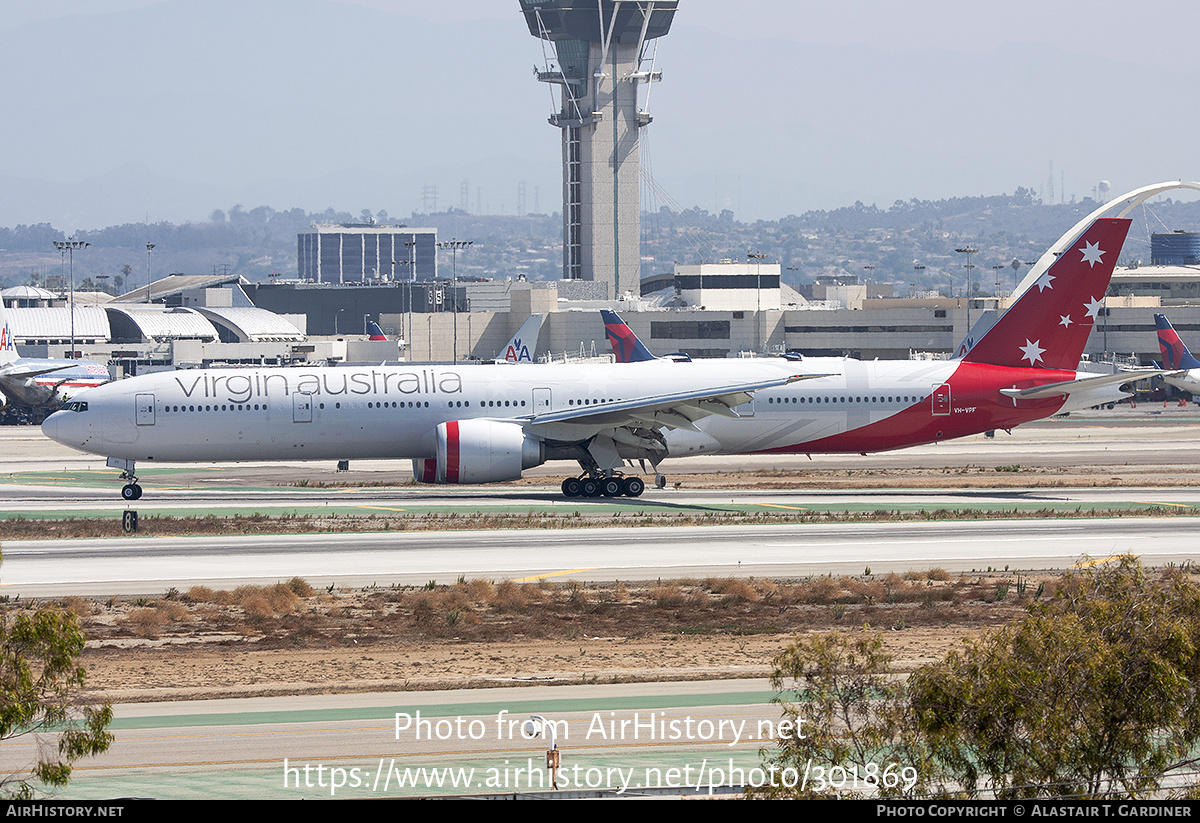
1083, 384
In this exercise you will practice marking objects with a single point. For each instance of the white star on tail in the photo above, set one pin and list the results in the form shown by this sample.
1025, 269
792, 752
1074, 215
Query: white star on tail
1091, 254
1033, 351
1093, 308
1043, 282
1064, 320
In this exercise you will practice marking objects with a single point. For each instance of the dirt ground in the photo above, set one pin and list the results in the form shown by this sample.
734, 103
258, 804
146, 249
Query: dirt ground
290, 639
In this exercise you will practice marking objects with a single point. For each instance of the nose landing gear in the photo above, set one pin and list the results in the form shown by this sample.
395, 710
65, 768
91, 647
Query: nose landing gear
131, 490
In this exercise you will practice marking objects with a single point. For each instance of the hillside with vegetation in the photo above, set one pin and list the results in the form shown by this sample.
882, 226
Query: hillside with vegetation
883, 245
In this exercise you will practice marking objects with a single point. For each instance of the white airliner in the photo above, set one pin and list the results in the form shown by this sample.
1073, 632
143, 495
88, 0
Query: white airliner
37, 382
481, 423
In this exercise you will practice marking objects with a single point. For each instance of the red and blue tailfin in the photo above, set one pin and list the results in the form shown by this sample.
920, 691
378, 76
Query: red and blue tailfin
375, 332
625, 344
1049, 324
1175, 355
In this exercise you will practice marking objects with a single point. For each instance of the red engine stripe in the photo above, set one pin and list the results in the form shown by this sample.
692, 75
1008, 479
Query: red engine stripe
429, 470
452, 451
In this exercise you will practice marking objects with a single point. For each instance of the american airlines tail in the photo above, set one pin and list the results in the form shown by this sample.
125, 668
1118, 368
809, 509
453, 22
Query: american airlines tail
1175, 354
522, 347
1048, 325
8, 346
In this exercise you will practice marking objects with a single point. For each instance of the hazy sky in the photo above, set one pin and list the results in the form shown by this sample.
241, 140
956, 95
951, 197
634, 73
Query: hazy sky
1157, 31
124, 110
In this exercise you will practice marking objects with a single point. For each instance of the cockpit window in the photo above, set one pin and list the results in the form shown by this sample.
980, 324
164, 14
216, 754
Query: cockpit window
76, 406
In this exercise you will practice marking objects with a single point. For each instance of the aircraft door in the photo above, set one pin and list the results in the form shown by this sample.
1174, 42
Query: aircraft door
941, 400
541, 401
144, 409
302, 408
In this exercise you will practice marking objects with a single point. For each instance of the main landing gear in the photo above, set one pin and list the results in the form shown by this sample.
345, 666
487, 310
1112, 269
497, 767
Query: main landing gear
598, 486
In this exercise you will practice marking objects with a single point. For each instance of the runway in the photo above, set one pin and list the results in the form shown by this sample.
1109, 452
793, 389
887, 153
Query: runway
1165, 443
152, 565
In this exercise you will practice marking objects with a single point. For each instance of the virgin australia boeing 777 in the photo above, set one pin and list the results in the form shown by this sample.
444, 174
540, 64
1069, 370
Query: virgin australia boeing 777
486, 423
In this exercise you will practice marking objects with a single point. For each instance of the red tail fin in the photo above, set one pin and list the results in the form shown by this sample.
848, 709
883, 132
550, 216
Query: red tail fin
1049, 324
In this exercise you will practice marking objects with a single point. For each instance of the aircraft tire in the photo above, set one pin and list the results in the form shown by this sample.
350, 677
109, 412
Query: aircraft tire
612, 487
131, 491
633, 486
590, 488
572, 487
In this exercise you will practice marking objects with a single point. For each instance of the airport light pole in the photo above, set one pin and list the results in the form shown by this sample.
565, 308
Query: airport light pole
968, 251
997, 269
454, 245
757, 257
411, 245
920, 270
149, 280
67, 247
408, 288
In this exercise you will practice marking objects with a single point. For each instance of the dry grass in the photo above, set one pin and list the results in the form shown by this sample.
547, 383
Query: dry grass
293, 614
154, 526
435, 636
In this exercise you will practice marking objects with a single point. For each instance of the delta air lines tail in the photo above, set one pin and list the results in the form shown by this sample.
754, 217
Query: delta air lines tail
1184, 369
625, 344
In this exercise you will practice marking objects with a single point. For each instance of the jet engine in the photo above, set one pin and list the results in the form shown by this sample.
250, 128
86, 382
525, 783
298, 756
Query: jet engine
479, 451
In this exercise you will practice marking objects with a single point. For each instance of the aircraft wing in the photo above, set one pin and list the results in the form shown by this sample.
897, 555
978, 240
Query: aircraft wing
15, 373
678, 410
1083, 384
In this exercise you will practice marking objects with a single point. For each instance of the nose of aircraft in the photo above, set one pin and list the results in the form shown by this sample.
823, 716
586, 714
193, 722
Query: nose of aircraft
63, 427
50, 426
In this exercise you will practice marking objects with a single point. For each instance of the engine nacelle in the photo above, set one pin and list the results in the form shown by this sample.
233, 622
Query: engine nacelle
479, 451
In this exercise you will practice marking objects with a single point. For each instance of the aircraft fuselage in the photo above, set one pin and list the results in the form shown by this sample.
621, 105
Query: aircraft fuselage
393, 411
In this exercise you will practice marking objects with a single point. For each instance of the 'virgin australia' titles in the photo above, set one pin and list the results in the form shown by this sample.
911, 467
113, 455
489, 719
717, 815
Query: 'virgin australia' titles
241, 387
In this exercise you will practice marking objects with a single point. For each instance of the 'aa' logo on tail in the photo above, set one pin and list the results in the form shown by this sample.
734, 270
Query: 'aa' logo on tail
517, 352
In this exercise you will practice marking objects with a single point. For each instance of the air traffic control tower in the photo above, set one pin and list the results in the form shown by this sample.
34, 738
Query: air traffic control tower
602, 52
